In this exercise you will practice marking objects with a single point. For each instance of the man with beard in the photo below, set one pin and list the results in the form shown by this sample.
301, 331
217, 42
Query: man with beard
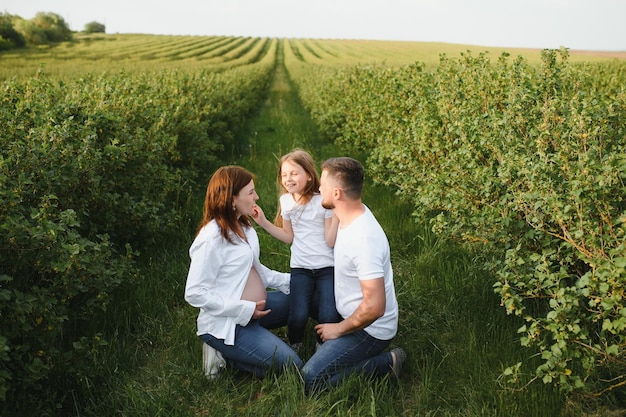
364, 289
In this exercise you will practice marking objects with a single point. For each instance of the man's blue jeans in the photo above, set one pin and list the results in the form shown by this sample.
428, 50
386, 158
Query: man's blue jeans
312, 295
256, 349
336, 359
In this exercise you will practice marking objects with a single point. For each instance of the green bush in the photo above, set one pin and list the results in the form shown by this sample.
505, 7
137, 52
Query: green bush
53, 26
32, 34
95, 27
91, 173
9, 37
527, 162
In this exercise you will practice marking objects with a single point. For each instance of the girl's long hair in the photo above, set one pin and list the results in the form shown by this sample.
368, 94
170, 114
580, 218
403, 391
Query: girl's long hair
223, 186
305, 160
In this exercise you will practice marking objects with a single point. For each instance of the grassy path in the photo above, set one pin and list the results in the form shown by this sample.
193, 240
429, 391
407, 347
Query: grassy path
281, 125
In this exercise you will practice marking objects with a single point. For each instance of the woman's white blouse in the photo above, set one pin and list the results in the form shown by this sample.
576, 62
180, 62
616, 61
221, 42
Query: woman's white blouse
217, 276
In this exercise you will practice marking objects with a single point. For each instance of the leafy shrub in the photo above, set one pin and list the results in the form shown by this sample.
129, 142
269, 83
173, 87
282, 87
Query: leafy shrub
53, 26
33, 34
95, 27
9, 37
526, 161
91, 172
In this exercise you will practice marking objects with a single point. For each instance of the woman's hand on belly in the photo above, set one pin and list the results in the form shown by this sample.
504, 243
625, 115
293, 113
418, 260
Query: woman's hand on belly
259, 310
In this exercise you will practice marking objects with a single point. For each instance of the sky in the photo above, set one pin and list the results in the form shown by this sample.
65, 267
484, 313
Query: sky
597, 25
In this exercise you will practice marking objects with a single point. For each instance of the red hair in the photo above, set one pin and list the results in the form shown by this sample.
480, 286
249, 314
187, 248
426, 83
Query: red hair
223, 186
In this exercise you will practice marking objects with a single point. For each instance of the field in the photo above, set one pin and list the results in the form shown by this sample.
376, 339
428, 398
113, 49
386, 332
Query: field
97, 53
498, 176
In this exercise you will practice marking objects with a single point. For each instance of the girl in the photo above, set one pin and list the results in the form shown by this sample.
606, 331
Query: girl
311, 229
227, 282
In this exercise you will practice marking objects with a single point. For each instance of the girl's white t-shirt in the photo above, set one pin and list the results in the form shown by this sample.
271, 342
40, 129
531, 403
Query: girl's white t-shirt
309, 248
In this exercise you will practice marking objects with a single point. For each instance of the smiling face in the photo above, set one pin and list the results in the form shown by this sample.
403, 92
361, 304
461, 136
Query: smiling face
294, 178
245, 200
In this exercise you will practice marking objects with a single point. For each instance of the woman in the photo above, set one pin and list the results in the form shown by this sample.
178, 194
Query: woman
227, 282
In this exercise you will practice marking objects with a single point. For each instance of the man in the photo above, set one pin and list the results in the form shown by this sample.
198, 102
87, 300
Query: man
364, 290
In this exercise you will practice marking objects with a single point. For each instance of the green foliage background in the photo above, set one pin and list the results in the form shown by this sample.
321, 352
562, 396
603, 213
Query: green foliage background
513, 169
525, 161
93, 172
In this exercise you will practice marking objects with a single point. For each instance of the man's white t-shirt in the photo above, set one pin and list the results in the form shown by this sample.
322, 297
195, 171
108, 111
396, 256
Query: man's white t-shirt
309, 248
362, 253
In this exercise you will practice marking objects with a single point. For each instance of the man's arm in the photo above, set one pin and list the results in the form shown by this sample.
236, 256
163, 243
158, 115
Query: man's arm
371, 308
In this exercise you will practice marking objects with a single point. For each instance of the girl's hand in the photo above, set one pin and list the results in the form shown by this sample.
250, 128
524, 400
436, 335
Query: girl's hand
257, 214
284, 234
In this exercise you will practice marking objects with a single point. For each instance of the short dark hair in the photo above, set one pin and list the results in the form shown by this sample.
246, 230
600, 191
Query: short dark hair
348, 173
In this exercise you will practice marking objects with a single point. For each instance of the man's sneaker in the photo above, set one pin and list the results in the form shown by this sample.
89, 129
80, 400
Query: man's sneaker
399, 356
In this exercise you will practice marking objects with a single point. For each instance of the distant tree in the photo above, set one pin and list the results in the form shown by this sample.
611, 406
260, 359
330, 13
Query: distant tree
33, 34
53, 25
9, 37
95, 27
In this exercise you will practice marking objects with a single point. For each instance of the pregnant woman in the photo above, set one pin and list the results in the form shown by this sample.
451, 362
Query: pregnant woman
227, 282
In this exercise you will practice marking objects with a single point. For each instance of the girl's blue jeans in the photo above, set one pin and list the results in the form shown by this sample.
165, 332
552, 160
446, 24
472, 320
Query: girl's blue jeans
256, 349
312, 295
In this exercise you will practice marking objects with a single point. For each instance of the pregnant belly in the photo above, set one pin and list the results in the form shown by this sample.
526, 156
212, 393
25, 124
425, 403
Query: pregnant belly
254, 289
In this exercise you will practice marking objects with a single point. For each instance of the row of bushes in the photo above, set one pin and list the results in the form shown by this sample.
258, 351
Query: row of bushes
92, 172
526, 161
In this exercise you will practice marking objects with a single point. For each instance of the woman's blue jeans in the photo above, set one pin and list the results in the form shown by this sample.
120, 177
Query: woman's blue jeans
312, 295
256, 349
336, 359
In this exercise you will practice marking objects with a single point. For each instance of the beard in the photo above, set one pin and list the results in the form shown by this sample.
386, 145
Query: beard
328, 205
